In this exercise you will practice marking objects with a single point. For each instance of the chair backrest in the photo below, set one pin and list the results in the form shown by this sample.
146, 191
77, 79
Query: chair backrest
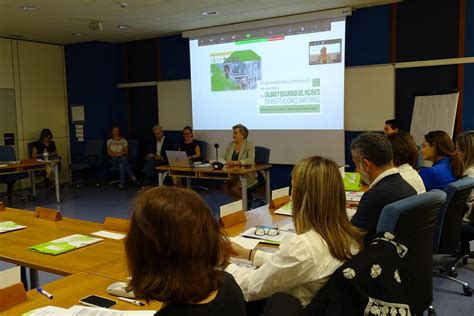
94, 152
448, 225
262, 155
132, 151
413, 221
203, 146
7, 153
29, 148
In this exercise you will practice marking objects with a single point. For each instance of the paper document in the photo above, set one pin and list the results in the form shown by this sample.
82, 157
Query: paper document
242, 263
111, 235
285, 210
8, 226
247, 243
353, 196
10, 277
290, 227
276, 240
78, 310
352, 181
231, 208
280, 193
62, 245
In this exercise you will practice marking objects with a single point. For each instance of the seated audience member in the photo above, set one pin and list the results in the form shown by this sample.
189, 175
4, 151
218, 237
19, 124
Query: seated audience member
373, 156
324, 238
176, 255
45, 143
391, 127
465, 147
117, 149
405, 157
447, 166
239, 152
156, 153
190, 145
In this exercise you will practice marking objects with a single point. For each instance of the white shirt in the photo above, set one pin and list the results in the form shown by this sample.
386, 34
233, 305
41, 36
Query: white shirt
412, 177
384, 174
300, 267
159, 144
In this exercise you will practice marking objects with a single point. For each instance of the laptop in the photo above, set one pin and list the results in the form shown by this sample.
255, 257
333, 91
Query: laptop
177, 158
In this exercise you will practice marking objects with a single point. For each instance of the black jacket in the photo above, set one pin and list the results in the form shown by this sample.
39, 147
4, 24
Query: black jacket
167, 145
373, 280
390, 189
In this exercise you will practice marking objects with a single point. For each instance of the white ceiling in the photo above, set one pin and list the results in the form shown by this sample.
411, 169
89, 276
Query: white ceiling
56, 20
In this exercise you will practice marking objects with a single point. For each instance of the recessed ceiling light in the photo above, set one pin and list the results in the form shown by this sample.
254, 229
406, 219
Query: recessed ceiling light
29, 8
78, 34
207, 13
123, 27
16, 35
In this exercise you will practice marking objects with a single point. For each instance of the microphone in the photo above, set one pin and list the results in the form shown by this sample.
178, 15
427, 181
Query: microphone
216, 164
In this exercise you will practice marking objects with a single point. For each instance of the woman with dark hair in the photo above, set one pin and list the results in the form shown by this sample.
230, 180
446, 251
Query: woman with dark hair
190, 145
45, 145
324, 238
447, 165
176, 254
239, 152
117, 149
405, 157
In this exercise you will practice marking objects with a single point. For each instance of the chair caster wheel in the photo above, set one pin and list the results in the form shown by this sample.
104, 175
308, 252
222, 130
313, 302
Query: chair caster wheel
431, 311
467, 290
453, 274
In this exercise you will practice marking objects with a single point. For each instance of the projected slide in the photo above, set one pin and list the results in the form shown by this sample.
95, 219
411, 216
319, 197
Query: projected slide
285, 77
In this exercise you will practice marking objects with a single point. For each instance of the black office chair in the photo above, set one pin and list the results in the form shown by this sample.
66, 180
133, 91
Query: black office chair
7, 153
262, 157
203, 145
89, 161
448, 228
371, 282
413, 221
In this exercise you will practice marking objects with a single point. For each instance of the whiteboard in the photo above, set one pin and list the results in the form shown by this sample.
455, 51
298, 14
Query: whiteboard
174, 104
369, 97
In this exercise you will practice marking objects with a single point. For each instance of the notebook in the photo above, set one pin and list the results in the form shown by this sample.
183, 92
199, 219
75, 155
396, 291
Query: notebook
65, 244
9, 226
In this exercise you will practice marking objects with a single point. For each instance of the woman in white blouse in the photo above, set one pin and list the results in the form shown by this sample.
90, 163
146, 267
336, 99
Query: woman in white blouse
325, 238
405, 157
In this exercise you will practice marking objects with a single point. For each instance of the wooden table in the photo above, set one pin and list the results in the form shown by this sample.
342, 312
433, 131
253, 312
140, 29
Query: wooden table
68, 291
92, 268
31, 166
14, 245
218, 174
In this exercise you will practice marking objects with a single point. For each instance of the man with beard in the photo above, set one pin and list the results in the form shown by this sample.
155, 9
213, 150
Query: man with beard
373, 156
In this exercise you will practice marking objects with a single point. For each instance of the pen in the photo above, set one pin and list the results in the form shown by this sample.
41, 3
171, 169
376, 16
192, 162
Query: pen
39, 289
128, 300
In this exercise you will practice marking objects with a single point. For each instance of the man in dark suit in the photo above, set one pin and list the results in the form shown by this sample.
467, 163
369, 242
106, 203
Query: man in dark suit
373, 156
156, 153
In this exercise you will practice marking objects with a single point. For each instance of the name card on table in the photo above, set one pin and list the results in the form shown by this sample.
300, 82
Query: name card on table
12, 291
117, 224
232, 214
48, 214
2, 206
280, 197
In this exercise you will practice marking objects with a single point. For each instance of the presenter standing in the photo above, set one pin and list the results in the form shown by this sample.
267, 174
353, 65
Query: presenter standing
238, 153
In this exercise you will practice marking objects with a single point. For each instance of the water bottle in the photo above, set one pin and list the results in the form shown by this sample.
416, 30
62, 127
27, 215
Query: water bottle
45, 155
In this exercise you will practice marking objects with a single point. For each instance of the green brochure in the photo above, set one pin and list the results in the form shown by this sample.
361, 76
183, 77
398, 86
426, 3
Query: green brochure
62, 245
9, 226
352, 181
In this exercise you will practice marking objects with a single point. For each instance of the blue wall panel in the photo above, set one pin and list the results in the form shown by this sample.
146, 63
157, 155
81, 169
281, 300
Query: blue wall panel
368, 36
174, 58
93, 71
468, 106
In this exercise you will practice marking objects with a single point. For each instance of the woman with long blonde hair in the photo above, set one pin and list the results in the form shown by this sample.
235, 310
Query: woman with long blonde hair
324, 238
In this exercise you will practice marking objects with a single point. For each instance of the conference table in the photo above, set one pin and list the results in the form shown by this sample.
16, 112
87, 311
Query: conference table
88, 270
31, 166
227, 173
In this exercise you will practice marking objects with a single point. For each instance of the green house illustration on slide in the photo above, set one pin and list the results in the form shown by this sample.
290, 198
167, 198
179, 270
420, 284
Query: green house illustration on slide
240, 71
